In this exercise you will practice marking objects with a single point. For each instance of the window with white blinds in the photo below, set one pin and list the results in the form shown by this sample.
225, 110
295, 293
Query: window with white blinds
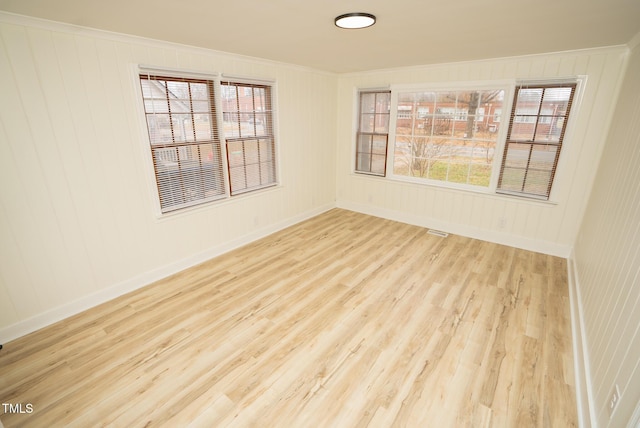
461, 136
373, 132
200, 155
184, 140
537, 127
247, 111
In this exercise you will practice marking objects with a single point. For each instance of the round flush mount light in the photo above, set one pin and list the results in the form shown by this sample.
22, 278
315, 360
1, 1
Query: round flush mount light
355, 20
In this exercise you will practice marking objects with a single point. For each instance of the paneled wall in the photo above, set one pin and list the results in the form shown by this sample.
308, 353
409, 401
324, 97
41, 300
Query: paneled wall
539, 226
607, 260
77, 218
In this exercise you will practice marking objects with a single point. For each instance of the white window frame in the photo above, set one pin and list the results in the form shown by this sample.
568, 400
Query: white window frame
272, 90
508, 87
357, 131
580, 82
139, 69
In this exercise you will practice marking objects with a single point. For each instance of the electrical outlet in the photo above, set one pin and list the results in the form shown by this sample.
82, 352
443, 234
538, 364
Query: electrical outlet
502, 222
614, 398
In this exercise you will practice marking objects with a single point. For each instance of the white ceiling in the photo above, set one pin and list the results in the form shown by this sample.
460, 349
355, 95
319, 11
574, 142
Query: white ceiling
408, 32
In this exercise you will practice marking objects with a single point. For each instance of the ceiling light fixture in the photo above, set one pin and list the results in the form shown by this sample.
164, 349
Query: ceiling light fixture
355, 20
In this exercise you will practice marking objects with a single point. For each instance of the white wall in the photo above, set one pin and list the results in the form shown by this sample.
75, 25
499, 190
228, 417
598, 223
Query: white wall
71, 237
607, 260
538, 226
77, 222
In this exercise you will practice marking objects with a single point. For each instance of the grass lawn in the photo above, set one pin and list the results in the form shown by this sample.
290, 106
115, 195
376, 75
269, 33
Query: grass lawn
476, 174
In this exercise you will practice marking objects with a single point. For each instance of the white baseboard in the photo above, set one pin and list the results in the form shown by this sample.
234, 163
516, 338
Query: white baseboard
584, 391
59, 313
460, 229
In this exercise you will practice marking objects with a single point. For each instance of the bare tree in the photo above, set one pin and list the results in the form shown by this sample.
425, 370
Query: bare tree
472, 101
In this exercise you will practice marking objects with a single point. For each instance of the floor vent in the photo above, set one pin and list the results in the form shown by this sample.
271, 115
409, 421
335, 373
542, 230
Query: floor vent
437, 233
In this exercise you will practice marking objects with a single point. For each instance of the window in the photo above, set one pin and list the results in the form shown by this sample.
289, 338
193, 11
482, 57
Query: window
451, 138
373, 132
185, 146
536, 132
192, 166
250, 142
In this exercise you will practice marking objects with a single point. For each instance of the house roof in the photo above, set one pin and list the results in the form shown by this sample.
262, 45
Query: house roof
408, 32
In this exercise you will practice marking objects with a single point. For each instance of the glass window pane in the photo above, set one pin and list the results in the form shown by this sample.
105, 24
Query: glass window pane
368, 102
378, 164
363, 162
406, 98
543, 157
480, 174
235, 154
364, 144
182, 127
443, 124
147, 88
201, 106
381, 124
458, 172
159, 126
156, 105
404, 121
178, 89
437, 169
260, 99
238, 178
550, 129
266, 150
259, 122
366, 122
199, 91
379, 145
383, 102
203, 127
557, 96
528, 101
179, 106
268, 172
517, 155
512, 179
231, 125
425, 100
522, 131
229, 97
537, 181
446, 100
253, 175
468, 101
251, 153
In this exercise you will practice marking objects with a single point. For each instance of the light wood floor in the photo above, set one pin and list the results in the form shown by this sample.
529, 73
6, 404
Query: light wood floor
343, 320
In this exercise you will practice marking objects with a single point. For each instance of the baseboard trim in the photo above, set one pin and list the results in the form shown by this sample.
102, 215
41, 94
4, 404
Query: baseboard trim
59, 313
460, 229
584, 391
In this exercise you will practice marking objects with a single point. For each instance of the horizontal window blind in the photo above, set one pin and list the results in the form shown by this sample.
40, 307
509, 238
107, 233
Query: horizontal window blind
184, 140
373, 132
537, 127
247, 111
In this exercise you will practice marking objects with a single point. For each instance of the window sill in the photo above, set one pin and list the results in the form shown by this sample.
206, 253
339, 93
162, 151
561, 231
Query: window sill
229, 200
464, 189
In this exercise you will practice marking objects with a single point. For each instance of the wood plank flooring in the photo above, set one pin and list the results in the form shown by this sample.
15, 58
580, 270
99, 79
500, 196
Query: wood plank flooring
344, 320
